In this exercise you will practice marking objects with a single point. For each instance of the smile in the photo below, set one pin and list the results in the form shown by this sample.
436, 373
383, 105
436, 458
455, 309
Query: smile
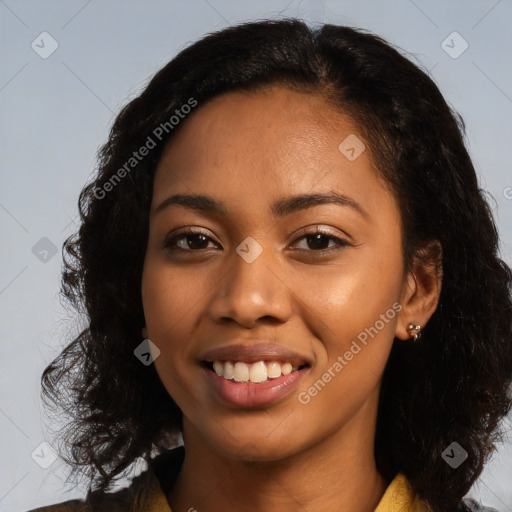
257, 372
253, 373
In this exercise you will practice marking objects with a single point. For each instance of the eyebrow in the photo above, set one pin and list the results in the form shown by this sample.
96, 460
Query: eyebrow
280, 208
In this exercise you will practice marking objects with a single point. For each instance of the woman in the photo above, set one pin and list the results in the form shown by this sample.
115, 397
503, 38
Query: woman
286, 259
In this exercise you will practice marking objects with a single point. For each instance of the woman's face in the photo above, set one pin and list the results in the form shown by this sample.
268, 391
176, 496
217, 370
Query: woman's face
314, 283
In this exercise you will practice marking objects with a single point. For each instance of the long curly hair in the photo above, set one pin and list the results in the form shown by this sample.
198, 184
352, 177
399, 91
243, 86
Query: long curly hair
453, 385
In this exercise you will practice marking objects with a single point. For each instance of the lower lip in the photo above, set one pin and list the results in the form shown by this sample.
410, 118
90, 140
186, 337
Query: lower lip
249, 395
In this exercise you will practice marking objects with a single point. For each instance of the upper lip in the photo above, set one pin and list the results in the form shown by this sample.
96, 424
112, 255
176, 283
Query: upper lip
252, 351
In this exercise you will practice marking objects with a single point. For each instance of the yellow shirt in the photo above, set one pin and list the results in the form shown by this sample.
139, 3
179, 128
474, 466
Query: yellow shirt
145, 494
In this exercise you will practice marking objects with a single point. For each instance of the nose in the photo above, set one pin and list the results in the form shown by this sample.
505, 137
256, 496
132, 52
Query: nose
249, 293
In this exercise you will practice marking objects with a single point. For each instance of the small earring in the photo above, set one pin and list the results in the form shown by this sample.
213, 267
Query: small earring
414, 330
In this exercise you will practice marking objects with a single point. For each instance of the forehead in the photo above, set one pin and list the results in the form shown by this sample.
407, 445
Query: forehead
273, 141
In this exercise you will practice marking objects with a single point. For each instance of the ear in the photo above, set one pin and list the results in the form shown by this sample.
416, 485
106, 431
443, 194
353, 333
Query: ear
421, 290
144, 332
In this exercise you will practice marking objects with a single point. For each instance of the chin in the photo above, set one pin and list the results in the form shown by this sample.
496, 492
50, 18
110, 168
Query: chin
255, 445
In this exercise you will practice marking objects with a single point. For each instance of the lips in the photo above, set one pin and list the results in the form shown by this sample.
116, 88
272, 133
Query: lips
252, 351
252, 373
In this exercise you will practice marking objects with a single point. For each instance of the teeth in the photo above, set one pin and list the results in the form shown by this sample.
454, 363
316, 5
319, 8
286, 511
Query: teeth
228, 369
241, 372
258, 372
255, 372
274, 369
219, 368
286, 369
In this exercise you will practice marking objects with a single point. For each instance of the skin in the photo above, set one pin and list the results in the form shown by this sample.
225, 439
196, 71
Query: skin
249, 151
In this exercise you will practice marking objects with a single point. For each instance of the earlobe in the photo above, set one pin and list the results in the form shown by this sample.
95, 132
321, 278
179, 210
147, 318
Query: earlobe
422, 291
406, 315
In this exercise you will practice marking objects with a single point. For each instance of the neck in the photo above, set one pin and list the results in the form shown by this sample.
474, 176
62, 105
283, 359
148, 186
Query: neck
337, 474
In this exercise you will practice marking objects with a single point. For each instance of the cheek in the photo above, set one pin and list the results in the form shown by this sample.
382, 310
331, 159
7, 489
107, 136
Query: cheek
353, 310
169, 296
356, 329
171, 300
350, 297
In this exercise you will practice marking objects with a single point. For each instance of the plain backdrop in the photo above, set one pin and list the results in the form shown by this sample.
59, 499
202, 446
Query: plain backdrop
57, 108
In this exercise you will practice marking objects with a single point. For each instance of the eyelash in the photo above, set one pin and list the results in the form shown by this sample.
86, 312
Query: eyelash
170, 242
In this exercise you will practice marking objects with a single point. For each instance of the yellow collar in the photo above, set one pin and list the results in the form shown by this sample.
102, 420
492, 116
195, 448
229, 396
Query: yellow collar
400, 496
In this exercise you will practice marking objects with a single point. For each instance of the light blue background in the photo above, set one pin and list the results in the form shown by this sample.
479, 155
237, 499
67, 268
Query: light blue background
57, 111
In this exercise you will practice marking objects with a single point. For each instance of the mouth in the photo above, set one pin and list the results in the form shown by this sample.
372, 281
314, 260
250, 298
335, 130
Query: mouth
253, 373
256, 372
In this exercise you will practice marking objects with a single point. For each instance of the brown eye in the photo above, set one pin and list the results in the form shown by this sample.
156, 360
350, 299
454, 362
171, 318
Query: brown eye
188, 241
318, 241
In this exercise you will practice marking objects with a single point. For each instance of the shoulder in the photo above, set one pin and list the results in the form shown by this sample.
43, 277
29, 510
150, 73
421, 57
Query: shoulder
145, 491
66, 506
474, 506
400, 495
97, 502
